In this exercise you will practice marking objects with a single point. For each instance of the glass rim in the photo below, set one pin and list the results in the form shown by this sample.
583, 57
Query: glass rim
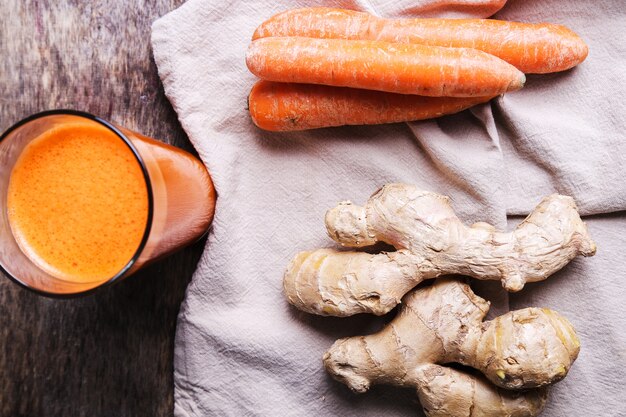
148, 183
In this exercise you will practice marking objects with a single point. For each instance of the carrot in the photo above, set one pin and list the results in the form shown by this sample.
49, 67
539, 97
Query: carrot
289, 107
393, 67
530, 47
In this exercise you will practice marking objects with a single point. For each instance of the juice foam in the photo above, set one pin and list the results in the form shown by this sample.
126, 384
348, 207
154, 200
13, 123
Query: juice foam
77, 202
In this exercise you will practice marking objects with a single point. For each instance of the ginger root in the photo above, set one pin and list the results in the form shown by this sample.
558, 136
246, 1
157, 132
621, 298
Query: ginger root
431, 241
443, 324
447, 392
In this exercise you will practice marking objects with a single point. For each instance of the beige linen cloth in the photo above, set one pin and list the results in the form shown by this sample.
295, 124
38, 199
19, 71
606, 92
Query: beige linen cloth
241, 350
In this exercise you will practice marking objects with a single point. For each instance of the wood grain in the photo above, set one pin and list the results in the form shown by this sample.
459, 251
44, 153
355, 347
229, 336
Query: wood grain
109, 354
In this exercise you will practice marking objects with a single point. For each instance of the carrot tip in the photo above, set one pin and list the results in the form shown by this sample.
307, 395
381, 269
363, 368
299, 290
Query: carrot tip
517, 84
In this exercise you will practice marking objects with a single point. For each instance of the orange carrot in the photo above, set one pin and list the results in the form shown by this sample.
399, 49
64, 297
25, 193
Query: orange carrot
532, 48
393, 67
289, 107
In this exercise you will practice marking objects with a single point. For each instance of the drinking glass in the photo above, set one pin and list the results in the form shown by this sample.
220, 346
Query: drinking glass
181, 201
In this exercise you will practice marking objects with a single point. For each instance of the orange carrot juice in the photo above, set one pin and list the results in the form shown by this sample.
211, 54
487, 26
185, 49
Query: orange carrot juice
77, 202
88, 202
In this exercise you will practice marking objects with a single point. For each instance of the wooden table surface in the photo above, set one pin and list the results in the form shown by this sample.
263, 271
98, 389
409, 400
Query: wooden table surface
109, 354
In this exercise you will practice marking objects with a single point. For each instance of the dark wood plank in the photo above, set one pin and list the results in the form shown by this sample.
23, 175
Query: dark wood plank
109, 354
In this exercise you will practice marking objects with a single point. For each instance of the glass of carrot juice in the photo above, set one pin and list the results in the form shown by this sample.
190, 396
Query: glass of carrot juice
86, 203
